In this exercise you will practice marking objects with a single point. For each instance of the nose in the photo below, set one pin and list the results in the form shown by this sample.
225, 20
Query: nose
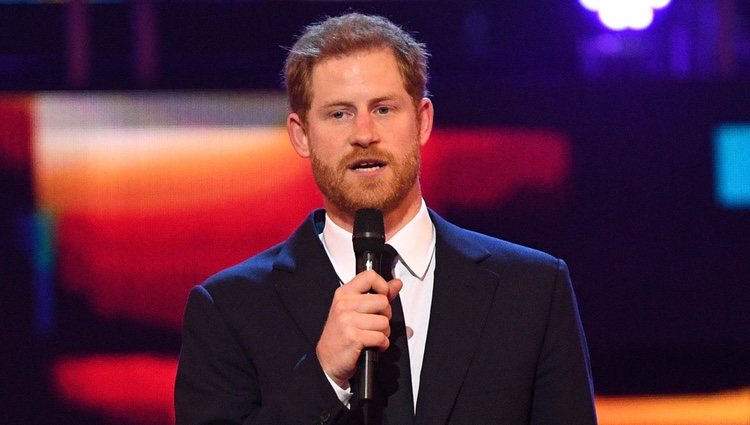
364, 131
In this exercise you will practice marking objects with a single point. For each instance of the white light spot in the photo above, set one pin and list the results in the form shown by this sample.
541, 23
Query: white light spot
622, 14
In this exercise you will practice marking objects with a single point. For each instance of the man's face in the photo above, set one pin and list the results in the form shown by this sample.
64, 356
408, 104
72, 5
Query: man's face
363, 133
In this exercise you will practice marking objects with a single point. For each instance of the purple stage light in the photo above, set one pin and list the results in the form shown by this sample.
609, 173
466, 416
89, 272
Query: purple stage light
619, 15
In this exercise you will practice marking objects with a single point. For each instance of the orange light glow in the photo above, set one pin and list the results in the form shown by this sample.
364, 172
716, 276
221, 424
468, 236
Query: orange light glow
725, 408
142, 170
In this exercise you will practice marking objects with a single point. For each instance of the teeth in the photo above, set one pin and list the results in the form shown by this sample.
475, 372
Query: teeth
367, 166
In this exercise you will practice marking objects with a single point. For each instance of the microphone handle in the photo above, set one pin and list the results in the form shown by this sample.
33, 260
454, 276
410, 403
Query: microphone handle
369, 357
368, 361
369, 260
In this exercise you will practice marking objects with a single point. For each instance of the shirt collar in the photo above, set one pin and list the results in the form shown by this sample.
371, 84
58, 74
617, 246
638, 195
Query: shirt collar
415, 243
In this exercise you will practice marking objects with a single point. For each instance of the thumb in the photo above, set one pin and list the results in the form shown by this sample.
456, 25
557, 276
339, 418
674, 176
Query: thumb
394, 287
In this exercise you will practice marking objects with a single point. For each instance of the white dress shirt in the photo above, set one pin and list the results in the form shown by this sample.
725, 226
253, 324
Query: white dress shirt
415, 244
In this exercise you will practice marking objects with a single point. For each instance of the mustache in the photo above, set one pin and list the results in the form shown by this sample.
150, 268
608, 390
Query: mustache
369, 153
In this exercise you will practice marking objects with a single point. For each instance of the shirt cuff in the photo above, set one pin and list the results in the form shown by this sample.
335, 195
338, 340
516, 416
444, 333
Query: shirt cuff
344, 395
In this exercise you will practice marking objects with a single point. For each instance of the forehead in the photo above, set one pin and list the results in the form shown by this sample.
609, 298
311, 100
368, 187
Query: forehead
356, 74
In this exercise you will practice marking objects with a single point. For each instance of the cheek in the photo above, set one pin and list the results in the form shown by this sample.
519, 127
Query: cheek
329, 137
321, 143
406, 137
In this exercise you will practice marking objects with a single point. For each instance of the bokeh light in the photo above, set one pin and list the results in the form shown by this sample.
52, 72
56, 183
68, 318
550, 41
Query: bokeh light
620, 15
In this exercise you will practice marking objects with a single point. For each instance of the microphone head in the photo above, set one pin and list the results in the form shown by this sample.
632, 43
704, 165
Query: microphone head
368, 234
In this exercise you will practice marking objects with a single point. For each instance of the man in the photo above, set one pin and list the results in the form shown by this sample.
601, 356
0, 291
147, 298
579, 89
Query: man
493, 330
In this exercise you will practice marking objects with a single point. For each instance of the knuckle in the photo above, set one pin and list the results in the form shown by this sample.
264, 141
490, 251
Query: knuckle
383, 303
384, 323
384, 342
346, 318
350, 333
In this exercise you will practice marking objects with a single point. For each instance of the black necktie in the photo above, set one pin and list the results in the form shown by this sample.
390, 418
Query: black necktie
394, 373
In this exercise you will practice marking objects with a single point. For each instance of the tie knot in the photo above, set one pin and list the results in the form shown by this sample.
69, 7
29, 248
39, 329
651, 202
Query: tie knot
388, 261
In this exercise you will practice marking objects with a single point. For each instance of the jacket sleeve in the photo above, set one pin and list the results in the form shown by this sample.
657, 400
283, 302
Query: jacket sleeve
217, 382
563, 389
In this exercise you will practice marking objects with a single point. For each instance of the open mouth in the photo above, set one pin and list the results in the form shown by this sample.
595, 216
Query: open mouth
367, 165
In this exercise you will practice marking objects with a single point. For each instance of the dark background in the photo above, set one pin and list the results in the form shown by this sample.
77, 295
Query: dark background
660, 268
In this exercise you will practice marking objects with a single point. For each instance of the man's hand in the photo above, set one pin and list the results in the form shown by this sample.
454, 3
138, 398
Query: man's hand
357, 320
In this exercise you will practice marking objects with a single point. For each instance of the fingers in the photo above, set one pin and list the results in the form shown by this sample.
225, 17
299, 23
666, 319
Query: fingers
367, 281
369, 335
370, 282
394, 287
367, 323
367, 293
359, 317
366, 304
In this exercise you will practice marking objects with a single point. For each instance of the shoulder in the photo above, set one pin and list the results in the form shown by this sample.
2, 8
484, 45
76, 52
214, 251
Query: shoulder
247, 282
529, 277
253, 270
485, 248
256, 272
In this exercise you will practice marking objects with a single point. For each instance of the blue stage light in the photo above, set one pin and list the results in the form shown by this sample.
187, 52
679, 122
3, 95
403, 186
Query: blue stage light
732, 165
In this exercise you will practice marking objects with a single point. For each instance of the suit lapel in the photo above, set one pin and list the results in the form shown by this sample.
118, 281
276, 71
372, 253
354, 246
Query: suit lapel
462, 296
305, 279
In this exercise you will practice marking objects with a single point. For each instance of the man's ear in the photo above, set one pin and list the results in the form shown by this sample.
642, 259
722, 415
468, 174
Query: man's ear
298, 135
425, 114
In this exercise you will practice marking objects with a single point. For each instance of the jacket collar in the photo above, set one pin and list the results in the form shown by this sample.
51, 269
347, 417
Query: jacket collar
304, 277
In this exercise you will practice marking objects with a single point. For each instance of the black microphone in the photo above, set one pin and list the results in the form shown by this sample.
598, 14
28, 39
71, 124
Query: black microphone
368, 237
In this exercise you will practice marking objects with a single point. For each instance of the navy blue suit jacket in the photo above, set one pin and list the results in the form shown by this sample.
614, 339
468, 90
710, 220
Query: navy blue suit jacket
504, 346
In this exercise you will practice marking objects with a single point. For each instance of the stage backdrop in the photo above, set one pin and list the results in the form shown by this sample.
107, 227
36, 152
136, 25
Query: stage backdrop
116, 204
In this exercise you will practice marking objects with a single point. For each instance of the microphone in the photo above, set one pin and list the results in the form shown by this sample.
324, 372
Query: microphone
368, 237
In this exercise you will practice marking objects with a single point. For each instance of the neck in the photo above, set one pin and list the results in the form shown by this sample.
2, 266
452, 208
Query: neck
394, 219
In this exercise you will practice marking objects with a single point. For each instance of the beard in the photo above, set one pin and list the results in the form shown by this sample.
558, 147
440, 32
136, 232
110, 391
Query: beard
384, 194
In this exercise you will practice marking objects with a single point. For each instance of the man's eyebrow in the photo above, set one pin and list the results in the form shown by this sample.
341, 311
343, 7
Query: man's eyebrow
386, 98
337, 103
345, 103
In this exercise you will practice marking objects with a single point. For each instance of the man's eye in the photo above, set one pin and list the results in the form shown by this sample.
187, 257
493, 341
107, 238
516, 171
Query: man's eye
338, 115
382, 110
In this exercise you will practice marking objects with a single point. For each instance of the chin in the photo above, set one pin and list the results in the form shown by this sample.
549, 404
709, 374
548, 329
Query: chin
383, 204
